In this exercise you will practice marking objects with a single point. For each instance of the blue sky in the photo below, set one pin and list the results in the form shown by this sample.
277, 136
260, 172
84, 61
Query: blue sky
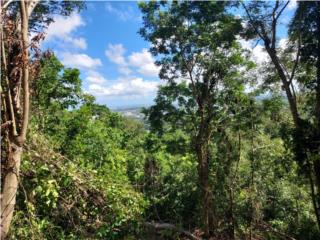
116, 67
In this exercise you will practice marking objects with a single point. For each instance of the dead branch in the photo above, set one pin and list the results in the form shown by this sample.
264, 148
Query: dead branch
168, 226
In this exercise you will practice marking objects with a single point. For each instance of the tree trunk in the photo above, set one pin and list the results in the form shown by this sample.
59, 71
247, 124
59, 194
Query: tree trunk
317, 124
10, 186
202, 151
313, 165
231, 227
12, 165
299, 127
317, 107
286, 85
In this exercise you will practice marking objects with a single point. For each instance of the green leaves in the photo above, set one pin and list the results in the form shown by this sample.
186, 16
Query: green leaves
56, 85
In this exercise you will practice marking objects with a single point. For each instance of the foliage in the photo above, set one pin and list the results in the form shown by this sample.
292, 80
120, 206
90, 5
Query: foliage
62, 199
90, 173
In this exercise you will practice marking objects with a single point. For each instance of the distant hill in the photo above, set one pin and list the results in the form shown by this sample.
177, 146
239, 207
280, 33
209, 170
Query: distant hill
131, 112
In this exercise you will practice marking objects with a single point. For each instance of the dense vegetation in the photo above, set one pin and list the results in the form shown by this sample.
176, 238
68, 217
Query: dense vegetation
213, 160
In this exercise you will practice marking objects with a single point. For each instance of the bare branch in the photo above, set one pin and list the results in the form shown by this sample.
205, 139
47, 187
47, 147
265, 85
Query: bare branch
9, 95
25, 70
297, 57
168, 226
6, 4
282, 9
31, 6
274, 25
251, 20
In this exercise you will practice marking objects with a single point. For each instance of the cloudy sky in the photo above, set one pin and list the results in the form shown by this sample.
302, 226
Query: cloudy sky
116, 67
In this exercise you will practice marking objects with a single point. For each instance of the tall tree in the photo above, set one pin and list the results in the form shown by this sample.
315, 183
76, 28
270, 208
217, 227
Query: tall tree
18, 18
196, 43
263, 23
305, 28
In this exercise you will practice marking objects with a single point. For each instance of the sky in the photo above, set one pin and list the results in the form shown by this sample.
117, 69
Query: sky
102, 41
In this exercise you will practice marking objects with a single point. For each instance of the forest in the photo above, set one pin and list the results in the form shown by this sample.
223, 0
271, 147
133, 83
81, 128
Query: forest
229, 149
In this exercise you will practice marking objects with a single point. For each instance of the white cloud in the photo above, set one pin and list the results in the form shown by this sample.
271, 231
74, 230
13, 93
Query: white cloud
258, 52
95, 77
142, 61
149, 69
259, 55
145, 63
80, 43
283, 43
63, 28
115, 53
80, 61
124, 13
292, 4
125, 70
139, 58
128, 87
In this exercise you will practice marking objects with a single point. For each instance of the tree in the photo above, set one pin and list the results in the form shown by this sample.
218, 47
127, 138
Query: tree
17, 20
196, 44
263, 21
56, 88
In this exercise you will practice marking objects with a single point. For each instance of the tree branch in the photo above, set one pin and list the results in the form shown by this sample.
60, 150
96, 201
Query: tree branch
9, 95
274, 25
282, 9
168, 226
6, 4
31, 6
297, 57
251, 20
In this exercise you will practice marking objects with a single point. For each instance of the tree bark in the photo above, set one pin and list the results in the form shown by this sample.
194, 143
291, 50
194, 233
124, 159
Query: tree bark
317, 118
204, 188
317, 107
286, 85
202, 152
10, 186
16, 141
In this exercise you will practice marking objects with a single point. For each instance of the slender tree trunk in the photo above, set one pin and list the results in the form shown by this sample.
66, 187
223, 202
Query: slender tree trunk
232, 235
252, 185
270, 45
231, 230
10, 186
317, 108
317, 115
291, 99
315, 202
12, 164
299, 128
316, 140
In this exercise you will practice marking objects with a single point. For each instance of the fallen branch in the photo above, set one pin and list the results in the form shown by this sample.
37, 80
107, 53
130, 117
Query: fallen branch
267, 227
168, 226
